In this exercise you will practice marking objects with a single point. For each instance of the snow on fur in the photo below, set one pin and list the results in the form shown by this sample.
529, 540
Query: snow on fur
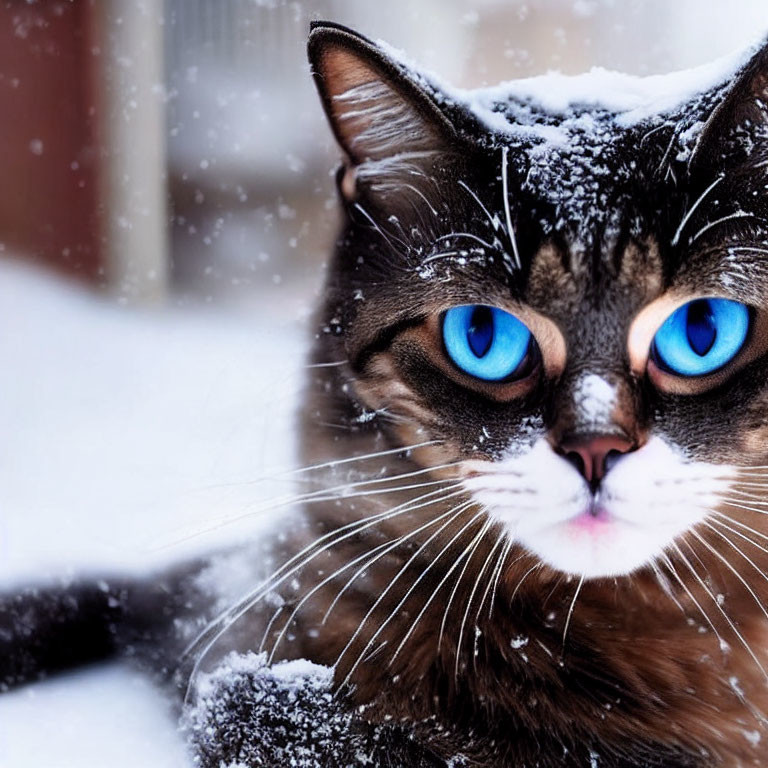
248, 714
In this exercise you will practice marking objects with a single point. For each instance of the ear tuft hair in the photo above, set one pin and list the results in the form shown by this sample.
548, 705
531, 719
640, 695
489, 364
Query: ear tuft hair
737, 130
381, 117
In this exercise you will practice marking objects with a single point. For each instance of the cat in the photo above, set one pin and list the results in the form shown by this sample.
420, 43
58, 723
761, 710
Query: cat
535, 429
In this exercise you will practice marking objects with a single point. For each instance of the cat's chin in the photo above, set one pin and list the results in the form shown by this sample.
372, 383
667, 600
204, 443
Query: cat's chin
596, 547
650, 498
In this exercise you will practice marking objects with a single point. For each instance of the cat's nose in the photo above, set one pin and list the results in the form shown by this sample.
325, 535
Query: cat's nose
594, 456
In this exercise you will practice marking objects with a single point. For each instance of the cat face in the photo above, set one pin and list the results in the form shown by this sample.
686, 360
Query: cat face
569, 305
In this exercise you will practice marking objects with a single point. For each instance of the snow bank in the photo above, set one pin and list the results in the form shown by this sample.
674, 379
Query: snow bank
134, 437
127, 436
110, 716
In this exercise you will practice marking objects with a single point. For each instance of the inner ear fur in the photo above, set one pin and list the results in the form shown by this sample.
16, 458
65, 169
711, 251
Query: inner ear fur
386, 123
737, 130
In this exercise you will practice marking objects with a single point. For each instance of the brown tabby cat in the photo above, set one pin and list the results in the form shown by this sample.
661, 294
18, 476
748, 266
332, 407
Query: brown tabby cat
537, 418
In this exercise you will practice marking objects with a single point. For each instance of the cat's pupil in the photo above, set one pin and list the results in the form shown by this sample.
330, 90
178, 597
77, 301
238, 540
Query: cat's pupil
700, 327
480, 331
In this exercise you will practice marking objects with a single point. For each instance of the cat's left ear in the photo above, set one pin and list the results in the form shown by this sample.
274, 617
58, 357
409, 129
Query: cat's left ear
387, 122
736, 134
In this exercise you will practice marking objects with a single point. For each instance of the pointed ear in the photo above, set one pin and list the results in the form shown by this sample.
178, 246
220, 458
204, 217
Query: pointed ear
736, 133
387, 124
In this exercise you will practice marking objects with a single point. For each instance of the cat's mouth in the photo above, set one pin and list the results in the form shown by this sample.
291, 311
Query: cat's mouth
594, 518
652, 497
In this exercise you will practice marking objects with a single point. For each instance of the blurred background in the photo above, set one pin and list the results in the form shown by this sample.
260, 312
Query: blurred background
166, 209
174, 150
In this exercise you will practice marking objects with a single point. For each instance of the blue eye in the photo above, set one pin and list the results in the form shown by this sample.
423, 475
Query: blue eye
486, 342
702, 336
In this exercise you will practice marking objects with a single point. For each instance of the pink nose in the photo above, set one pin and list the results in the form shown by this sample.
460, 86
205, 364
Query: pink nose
594, 456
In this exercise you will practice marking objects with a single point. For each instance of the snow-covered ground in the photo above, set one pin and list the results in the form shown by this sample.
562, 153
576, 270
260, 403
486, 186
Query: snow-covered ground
128, 438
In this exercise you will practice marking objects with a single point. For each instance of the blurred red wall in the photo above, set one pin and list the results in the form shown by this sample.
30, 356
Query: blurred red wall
48, 133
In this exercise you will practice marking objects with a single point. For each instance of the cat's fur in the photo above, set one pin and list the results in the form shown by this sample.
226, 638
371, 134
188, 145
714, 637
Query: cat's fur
490, 649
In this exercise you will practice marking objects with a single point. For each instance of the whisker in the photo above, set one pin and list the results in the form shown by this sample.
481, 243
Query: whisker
334, 364
738, 505
469, 235
494, 220
533, 568
469, 550
692, 209
374, 455
740, 524
219, 625
722, 220
738, 549
464, 553
478, 579
378, 229
707, 591
665, 585
572, 606
334, 493
750, 494
293, 472
423, 197
730, 567
493, 576
747, 249
459, 508
388, 547
704, 614
507, 549
438, 256
507, 212
394, 612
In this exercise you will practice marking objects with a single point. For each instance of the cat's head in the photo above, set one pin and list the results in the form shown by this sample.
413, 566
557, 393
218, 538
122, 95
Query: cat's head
563, 291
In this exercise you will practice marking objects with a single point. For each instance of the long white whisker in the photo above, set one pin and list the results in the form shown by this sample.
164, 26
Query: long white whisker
733, 627
533, 568
507, 212
722, 220
218, 626
738, 549
746, 527
478, 578
572, 606
706, 616
494, 220
686, 218
504, 555
469, 235
730, 567
665, 585
325, 494
389, 546
400, 604
469, 550
493, 574
363, 457
738, 505
459, 508
334, 364
750, 496
465, 552
378, 229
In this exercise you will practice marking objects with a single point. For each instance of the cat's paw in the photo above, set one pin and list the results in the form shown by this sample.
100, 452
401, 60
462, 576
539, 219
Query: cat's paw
246, 714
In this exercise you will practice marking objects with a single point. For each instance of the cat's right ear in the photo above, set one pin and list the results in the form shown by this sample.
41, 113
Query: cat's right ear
387, 123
